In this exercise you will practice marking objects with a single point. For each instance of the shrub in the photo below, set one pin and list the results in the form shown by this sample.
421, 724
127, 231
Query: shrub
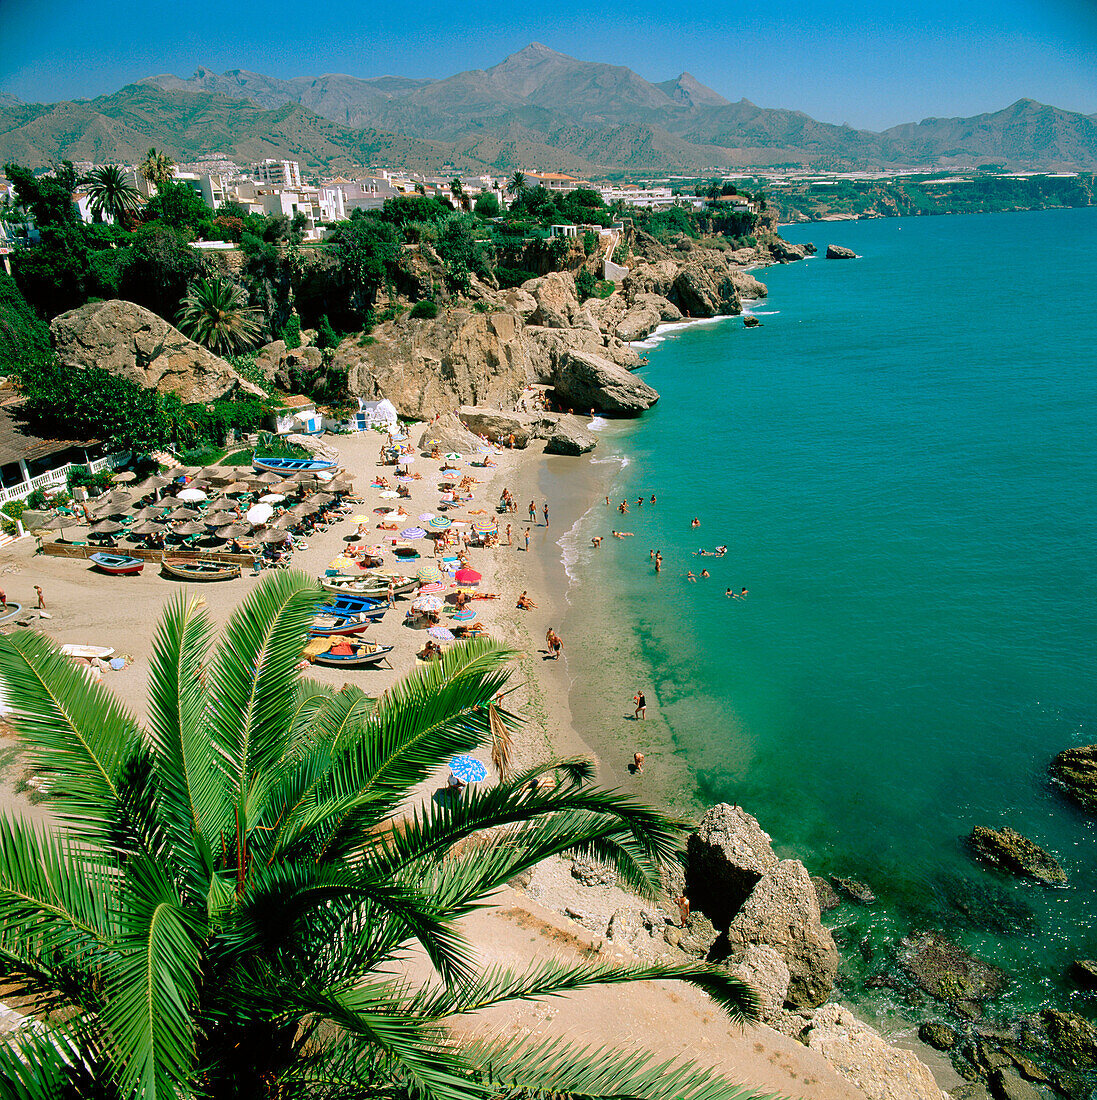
326, 336
425, 310
291, 334
37, 499
585, 284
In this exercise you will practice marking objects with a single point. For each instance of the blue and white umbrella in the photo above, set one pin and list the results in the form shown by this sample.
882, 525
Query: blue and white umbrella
467, 768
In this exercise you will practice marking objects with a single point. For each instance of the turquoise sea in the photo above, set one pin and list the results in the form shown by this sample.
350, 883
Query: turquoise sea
902, 462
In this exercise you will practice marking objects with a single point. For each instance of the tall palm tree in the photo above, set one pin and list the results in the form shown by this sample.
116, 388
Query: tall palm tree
216, 315
111, 193
517, 183
222, 905
457, 190
157, 167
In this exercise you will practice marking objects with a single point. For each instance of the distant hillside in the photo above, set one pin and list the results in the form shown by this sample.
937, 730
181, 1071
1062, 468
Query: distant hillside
536, 108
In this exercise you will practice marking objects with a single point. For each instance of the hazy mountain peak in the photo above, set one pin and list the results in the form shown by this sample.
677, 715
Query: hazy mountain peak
690, 92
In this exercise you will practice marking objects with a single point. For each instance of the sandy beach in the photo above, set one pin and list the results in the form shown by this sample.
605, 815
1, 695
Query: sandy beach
88, 608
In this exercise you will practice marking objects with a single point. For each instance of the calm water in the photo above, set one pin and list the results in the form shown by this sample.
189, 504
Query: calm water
902, 462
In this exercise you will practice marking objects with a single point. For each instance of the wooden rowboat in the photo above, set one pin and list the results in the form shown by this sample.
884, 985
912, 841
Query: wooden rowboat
200, 570
364, 656
294, 465
117, 565
338, 625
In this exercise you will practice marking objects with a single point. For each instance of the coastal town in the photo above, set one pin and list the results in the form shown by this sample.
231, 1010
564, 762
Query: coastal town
502, 593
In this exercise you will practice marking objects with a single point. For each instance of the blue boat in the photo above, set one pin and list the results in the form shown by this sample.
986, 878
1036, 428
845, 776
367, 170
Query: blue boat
372, 611
294, 465
117, 565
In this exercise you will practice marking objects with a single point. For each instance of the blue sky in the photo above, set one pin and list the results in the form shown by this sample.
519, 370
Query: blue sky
871, 63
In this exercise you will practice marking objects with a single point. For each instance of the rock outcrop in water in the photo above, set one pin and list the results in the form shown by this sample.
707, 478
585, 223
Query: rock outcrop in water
1010, 851
838, 252
1075, 771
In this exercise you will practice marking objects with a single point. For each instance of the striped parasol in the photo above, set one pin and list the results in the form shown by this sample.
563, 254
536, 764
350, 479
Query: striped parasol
412, 533
431, 589
429, 575
464, 615
440, 523
484, 527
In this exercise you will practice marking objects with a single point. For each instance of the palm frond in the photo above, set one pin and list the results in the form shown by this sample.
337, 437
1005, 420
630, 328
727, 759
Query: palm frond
76, 732
552, 977
191, 789
254, 680
152, 986
554, 1069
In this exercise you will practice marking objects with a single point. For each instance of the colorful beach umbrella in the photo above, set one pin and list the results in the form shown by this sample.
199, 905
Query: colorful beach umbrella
441, 634
467, 577
468, 769
483, 527
440, 523
413, 533
427, 603
431, 589
429, 574
426, 517
464, 615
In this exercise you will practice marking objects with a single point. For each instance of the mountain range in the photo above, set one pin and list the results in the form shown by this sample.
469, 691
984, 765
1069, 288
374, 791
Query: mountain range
537, 108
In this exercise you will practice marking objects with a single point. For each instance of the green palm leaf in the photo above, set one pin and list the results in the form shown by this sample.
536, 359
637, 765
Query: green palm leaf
152, 986
77, 733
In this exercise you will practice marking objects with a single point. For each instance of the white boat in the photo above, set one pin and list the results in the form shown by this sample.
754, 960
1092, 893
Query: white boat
88, 651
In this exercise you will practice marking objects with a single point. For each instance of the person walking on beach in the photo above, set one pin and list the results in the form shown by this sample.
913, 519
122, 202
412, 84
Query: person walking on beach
391, 594
527, 540
641, 702
42, 599
554, 643
544, 508
532, 512
508, 534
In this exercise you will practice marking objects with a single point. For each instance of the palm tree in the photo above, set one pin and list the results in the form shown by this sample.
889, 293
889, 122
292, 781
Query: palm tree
111, 193
216, 315
457, 190
222, 903
517, 183
157, 168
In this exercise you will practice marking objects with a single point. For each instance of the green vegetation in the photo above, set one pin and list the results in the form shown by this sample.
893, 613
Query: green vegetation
229, 892
216, 315
959, 193
157, 167
110, 193
24, 335
425, 310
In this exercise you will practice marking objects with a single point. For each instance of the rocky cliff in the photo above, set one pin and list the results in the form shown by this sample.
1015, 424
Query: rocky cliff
487, 350
133, 342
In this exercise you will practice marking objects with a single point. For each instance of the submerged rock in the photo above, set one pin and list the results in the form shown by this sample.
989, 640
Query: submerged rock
826, 895
1008, 1084
985, 904
1075, 770
1010, 851
856, 891
1071, 1039
947, 972
937, 1035
1084, 973
838, 252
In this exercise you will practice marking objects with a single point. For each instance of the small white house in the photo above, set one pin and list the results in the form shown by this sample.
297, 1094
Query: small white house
297, 415
371, 414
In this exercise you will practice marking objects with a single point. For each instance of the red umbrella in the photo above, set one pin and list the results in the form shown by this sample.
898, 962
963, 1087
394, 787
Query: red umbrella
467, 577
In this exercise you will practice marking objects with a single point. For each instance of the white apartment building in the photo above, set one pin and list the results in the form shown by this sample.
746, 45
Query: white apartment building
644, 197
554, 181
278, 173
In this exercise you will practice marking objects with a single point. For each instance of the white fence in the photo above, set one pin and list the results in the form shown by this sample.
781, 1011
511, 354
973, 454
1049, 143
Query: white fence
55, 479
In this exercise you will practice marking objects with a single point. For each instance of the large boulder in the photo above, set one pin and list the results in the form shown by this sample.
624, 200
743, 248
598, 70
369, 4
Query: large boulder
784, 252
838, 252
588, 381
782, 912
947, 972
570, 437
134, 343
1010, 851
748, 286
699, 291
425, 367
558, 304
726, 857
638, 323
450, 435
764, 969
1075, 770
497, 426
861, 1055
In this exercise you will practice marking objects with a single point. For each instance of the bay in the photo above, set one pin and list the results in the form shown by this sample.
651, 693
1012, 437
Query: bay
901, 462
